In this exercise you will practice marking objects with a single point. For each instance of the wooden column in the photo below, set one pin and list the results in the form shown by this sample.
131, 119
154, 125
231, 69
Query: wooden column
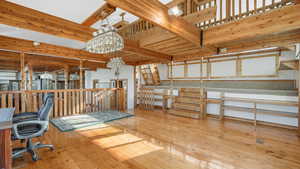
81, 74
55, 80
23, 75
135, 86
202, 107
81, 79
29, 87
67, 77
172, 83
22, 84
66, 99
299, 97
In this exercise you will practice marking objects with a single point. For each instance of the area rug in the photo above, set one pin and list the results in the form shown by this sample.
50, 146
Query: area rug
75, 122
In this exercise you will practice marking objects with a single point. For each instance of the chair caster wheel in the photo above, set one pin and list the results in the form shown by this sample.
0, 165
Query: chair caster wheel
35, 158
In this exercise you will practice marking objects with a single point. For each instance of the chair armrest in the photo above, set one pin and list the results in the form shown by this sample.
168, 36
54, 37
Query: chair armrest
42, 124
27, 116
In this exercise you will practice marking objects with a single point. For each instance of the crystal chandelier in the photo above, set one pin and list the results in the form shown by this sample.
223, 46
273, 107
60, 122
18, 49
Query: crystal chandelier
106, 40
115, 65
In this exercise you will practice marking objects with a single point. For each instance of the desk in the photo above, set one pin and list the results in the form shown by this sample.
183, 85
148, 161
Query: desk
6, 116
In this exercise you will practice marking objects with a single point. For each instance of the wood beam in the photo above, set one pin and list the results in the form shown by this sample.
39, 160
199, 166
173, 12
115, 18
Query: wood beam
134, 47
27, 18
274, 21
47, 60
103, 12
27, 46
157, 13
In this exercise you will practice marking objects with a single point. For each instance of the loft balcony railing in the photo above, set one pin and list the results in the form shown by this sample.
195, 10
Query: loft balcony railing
226, 11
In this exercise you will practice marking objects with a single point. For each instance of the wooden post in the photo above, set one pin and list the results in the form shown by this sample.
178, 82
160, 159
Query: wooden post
172, 84
30, 77
255, 118
135, 87
67, 77
299, 97
201, 90
66, 100
22, 85
81, 74
221, 117
55, 80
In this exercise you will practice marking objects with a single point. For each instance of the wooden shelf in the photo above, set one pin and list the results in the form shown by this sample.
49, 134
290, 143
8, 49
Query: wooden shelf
185, 113
261, 111
289, 65
262, 101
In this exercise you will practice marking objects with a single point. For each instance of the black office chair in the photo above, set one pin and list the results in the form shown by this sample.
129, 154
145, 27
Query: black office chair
30, 125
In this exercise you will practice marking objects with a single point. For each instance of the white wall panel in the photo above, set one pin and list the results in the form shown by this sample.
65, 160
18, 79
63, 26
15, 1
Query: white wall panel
259, 66
221, 69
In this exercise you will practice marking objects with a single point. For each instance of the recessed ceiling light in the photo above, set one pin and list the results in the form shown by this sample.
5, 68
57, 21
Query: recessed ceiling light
175, 11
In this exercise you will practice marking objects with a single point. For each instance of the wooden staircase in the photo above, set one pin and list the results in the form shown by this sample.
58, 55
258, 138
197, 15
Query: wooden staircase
150, 74
188, 104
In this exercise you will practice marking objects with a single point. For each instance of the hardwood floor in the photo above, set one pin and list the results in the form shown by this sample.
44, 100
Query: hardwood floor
154, 140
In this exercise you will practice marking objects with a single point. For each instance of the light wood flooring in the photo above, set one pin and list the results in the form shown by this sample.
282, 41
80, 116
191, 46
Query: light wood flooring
154, 140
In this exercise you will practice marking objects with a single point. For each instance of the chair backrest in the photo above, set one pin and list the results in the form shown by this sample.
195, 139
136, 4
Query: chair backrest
45, 110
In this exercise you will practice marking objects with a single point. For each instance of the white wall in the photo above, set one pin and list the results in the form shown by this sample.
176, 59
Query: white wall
105, 75
283, 75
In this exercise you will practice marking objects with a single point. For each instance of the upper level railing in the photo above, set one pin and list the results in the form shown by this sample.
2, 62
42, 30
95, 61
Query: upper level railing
226, 11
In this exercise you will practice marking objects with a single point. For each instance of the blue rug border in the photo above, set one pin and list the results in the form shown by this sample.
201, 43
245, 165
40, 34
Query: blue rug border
128, 115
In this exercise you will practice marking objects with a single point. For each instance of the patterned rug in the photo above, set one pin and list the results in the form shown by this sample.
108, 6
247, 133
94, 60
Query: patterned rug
75, 122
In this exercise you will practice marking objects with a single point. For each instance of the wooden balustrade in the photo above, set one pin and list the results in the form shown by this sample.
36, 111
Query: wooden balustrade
230, 10
66, 102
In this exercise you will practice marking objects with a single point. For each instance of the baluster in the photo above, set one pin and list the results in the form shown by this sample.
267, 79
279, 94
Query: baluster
56, 104
10, 100
35, 104
17, 102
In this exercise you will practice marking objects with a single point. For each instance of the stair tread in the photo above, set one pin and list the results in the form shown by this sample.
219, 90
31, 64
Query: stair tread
183, 110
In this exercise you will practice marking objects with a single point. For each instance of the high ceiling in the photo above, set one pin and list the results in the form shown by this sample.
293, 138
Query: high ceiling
77, 12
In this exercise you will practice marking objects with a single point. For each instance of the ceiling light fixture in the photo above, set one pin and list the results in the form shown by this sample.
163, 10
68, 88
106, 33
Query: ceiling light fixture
107, 41
176, 11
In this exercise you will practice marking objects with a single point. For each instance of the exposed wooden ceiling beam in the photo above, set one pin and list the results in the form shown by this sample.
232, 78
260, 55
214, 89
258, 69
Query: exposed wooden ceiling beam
103, 12
29, 58
134, 47
157, 13
27, 18
27, 46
